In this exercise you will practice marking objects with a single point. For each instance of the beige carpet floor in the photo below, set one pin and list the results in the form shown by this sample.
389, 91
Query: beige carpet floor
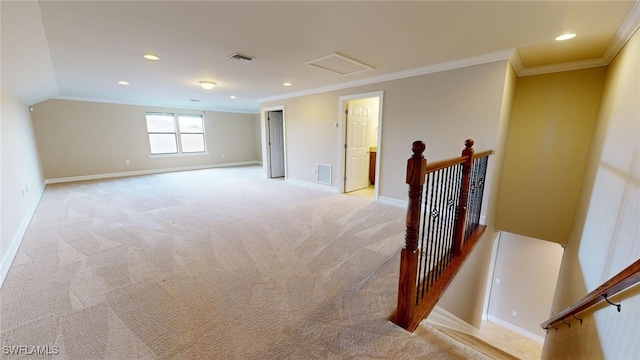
210, 264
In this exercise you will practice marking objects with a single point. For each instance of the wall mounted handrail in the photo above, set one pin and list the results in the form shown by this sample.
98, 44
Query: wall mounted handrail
621, 281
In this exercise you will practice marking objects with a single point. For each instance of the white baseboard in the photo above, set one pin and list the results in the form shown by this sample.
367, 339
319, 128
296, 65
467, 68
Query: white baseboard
14, 246
514, 328
146, 172
441, 317
393, 202
312, 185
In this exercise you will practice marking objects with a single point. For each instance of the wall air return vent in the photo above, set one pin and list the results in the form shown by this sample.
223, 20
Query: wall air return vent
339, 64
240, 57
324, 173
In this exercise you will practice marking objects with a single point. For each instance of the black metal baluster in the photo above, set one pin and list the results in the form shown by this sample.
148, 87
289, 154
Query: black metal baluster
441, 235
432, 244
434, 255
422, 262
440, 241
452, 175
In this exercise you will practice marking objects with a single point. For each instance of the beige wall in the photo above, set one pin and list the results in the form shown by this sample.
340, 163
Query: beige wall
605, 235
524, 280
21, 179
77, 138
465, 296
550, 132
442, 109
257, 138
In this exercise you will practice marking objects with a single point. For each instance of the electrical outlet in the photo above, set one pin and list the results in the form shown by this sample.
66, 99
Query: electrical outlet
223, 156
313, 170
127, 162
497, 280
514, 313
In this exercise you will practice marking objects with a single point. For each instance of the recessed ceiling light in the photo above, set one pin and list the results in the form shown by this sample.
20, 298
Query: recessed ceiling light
565, 37
151, 57
232, 97
207, 85
287, 84
123, 82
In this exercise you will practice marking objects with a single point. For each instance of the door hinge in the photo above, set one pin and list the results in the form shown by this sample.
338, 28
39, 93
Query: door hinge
345, 146
345, 179
346, 111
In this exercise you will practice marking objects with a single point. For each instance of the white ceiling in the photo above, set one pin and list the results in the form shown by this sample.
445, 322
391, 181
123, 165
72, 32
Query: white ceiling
81, 49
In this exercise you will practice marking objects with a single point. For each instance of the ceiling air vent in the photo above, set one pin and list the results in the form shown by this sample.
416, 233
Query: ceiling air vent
240, 57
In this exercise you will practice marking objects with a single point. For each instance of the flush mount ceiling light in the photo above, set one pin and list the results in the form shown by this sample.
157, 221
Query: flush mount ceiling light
339, 64
565, 37
232, 97
207, 85
151, 57
287, 84
123, 82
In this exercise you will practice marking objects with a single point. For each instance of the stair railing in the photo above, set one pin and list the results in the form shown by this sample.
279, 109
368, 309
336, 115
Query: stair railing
625, 279
442, 226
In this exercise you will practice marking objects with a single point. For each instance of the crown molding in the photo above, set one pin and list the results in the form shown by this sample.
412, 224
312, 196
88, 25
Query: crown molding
516, 62
156, 105
626, 30
429, 69
570, 66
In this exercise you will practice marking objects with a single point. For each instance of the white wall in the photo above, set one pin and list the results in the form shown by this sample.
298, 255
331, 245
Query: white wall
21, 179
524, 281
78, 138
605, 236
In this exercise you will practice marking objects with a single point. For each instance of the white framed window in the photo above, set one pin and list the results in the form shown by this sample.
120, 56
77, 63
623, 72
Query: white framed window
170, 134
191, 129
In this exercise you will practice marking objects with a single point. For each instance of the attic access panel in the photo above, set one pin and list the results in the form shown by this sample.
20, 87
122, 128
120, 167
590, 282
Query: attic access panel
339, 64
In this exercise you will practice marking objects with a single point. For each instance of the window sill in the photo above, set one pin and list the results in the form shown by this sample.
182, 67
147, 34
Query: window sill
177, 154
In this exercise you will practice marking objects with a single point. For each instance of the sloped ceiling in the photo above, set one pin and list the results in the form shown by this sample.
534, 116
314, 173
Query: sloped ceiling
80, 50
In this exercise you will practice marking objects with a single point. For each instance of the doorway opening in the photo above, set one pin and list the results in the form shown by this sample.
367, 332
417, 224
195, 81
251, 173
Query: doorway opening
361, 123
275, 142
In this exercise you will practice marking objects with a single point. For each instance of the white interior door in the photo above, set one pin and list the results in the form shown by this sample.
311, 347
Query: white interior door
357, 147
276, 143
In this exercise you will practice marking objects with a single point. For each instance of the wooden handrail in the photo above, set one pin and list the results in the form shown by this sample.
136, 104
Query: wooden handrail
624, 279
437, 165
482, 154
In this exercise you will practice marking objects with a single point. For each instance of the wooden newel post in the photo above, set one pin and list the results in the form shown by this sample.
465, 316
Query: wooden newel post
458, 240
416, 169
